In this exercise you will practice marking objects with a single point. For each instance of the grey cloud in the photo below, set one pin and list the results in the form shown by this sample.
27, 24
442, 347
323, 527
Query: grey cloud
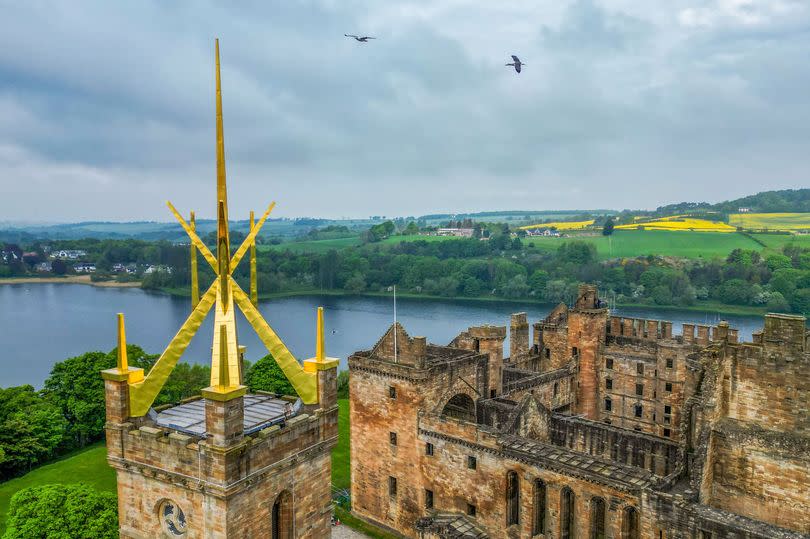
114, 104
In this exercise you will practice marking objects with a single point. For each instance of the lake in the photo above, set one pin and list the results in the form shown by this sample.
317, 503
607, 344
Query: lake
41, 324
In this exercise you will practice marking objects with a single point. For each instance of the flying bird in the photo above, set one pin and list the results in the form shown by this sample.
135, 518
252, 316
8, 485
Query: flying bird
517, 63
361, 39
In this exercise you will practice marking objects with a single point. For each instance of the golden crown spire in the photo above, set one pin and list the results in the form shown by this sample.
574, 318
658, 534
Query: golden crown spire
223, 294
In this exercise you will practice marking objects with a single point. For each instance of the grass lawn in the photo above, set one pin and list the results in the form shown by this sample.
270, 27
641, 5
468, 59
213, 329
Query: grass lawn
86, 466
313, 246
340, 454
632, 243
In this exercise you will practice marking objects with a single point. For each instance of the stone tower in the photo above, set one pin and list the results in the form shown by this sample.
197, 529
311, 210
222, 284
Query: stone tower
229, 463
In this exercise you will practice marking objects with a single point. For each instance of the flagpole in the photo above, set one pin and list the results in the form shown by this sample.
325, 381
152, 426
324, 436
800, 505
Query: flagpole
395, 323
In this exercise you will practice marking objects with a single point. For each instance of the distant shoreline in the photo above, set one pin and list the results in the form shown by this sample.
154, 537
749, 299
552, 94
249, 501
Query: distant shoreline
72, 279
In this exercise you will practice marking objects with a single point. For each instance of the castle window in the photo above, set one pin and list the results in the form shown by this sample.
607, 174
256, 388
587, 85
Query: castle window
638, 410
547, 353
668, 387
640, 368
472, 463
567, 516
667, 419
597, 518
392, 392
512, 499
639, 389
608, 383
470, 510
630, 523
539, 520
556, 388
667, 433
609, 363
392, 487
608, 405
574, 351
281, 524
392, 436
670, 362
429, 449
667, 409
428, 499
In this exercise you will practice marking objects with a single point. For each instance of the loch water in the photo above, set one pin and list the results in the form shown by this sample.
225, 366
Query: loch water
42, 323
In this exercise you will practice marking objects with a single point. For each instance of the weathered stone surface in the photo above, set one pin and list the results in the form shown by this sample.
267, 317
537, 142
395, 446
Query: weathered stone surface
705, 436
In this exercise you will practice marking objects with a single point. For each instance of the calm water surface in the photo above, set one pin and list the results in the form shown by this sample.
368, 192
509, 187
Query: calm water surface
41, 324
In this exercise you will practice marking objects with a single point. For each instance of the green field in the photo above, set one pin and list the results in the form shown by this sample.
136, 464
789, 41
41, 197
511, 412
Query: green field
776, 242
632, 243
90, 466
86, 466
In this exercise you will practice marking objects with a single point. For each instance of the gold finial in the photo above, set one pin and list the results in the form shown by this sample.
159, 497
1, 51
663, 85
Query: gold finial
195, 283
123, 363
320, 354
254, 289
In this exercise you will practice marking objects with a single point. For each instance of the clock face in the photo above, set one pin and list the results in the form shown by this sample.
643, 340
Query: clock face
172, 519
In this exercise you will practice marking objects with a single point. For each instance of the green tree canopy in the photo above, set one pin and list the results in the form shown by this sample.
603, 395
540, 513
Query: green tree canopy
62, 512
31, 429
266, 375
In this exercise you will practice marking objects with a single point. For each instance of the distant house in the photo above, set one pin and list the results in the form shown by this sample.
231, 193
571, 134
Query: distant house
544, 232
458, 232
157, 269
743, 210
44, 267
118, 268
84, 267
69, 254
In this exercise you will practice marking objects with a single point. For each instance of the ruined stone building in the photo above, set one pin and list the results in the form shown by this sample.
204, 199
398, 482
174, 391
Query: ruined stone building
597, 427
229, 463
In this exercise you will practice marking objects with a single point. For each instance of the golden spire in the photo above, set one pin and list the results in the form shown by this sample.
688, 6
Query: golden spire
223, 296
320, 362
123, 363
195, 283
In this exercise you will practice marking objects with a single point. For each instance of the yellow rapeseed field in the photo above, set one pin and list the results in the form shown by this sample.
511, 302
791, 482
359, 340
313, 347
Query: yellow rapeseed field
771, 221
680, 223
562, 225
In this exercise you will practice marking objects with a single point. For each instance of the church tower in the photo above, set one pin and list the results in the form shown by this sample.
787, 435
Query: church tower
229, 463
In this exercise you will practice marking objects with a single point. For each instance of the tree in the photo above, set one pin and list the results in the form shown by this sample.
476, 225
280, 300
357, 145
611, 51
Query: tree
800, 301
186, 380
63, 512
31, 429
607, 230
777, 261
266, 375
343, 384
76, 387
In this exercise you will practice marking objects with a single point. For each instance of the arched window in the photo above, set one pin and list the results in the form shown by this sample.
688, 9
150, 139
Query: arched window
630, 523
567, 513
556, 388
461, 406
597, 518
282, 517
539, 505
512, 499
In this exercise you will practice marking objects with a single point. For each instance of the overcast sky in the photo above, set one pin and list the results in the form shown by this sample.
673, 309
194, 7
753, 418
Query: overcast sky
107, 108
